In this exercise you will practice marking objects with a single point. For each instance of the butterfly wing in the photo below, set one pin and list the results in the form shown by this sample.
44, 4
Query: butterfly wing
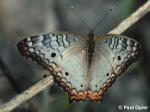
113, 55
63, 55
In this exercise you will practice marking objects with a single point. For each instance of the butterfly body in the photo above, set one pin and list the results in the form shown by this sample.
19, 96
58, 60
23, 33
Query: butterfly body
91, 47
84, 66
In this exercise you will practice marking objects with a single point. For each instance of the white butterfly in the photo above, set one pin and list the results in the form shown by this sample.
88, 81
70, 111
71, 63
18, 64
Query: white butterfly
84, 66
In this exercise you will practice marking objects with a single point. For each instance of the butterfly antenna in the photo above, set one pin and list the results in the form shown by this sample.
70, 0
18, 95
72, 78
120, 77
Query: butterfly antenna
99, 23
75, 11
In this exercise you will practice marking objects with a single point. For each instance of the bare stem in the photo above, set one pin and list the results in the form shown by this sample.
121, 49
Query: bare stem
139, 13
27, 94
41, 85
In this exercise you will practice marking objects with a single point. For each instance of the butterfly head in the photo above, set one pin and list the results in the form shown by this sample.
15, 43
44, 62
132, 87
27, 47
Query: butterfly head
90, 34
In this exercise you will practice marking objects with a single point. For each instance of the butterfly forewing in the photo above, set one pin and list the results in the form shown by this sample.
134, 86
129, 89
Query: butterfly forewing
121, 51
63, 54
113, 55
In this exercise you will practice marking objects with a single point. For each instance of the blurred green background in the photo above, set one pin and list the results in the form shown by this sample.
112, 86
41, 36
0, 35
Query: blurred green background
22, 18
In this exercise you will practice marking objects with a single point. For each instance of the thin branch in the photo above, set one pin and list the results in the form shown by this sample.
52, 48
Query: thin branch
139, 13
26, 95
41, 85
14, 84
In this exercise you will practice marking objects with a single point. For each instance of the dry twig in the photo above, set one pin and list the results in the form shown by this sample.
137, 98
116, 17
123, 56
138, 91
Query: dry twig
41, 85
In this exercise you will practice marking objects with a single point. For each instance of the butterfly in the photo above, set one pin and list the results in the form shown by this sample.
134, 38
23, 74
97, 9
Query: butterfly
84, 66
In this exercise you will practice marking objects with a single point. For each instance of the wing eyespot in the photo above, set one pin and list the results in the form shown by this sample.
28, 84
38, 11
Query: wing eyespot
81, 85
66, 73
119, 58
53, 55
107, 74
